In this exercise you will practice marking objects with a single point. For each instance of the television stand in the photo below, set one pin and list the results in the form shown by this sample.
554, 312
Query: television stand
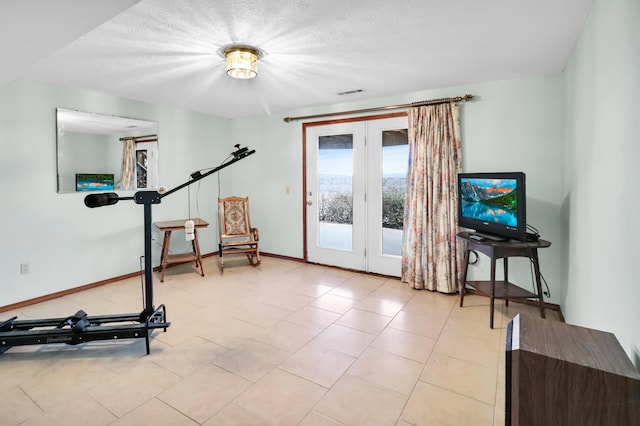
480, 236
501, 289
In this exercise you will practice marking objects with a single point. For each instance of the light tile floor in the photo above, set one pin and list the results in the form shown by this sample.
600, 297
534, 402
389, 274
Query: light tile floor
283, 343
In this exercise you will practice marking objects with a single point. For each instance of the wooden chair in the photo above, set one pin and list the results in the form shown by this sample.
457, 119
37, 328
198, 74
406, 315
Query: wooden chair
236, 233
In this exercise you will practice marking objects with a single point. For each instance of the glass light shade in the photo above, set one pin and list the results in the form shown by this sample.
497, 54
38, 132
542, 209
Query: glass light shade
242, 62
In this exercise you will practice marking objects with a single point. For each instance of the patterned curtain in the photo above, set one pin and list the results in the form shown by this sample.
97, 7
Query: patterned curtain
128, 171
430, 255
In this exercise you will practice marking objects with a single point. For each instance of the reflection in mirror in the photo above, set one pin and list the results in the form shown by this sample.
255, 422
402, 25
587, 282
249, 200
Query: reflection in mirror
104, 152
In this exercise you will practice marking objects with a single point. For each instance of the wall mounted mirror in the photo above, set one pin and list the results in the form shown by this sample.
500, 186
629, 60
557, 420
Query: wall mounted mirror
97, 152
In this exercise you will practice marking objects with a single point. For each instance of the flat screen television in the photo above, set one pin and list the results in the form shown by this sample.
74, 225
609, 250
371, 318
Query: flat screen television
493, 204
94, 182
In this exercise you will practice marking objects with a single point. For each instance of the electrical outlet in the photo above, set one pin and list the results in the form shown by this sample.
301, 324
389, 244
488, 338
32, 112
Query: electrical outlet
24, 268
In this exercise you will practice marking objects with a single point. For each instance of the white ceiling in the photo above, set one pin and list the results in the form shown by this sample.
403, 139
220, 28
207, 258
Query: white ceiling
31, 30
166, 51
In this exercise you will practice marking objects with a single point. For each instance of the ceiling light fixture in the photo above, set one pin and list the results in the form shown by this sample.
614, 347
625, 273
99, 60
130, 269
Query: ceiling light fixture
242, 61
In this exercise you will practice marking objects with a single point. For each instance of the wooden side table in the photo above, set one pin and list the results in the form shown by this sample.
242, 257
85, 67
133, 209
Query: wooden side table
167, 259
502, 289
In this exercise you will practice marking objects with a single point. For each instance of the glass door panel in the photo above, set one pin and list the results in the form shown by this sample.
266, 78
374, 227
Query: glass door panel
335, 186
395, 154
387, 163
335, 191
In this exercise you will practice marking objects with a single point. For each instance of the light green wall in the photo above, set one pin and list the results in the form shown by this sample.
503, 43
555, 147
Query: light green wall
514, 125
601, 205
82, 153
65, 243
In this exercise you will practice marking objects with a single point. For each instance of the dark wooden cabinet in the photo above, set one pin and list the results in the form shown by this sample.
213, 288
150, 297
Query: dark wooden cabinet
560, 374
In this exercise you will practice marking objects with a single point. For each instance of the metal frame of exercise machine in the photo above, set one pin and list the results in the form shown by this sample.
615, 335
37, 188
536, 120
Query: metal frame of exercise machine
81, 328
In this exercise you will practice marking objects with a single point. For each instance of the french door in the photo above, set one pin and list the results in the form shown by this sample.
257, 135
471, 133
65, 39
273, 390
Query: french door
355, 187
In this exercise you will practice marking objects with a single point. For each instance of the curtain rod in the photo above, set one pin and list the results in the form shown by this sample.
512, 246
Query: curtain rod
138, 137
465, 98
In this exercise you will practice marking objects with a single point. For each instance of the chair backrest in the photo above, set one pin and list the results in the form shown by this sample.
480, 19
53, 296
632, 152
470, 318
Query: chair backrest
233, 217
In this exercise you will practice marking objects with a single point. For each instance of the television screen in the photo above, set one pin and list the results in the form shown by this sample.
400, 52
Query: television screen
94, 182
493, 203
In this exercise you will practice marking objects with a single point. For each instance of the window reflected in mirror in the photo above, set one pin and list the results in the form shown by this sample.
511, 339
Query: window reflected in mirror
105, 152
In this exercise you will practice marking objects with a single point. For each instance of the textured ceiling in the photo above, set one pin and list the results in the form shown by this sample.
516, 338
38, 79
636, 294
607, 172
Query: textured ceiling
166, 51
31, 30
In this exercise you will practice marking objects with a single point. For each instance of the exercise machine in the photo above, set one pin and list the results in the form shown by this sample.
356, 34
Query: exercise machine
80, 327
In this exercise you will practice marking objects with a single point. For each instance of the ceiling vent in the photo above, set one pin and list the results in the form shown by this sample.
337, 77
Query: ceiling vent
350, 92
